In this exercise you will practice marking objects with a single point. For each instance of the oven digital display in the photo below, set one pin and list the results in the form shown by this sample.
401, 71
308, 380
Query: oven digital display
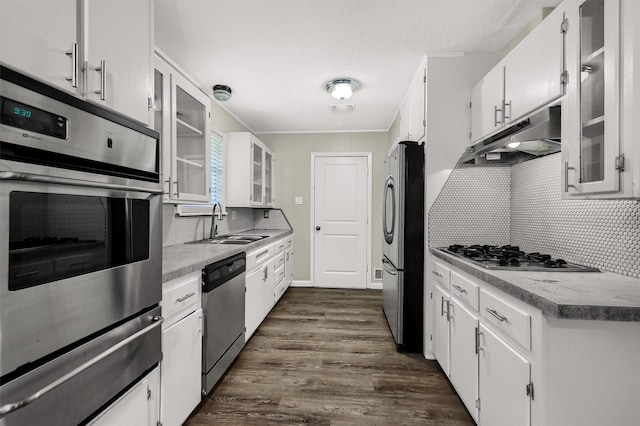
27, 117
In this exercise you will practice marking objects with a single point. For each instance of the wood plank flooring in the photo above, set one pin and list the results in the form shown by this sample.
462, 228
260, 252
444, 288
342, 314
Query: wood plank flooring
327, 357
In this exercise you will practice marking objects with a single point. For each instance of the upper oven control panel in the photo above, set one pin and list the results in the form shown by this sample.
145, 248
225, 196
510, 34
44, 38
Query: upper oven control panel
28, 117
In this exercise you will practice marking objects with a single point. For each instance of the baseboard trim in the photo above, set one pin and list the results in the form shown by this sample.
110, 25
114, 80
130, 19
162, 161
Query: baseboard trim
301, 283
376, 285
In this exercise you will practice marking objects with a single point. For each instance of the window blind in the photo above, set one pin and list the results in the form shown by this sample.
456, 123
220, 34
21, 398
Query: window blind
217, 170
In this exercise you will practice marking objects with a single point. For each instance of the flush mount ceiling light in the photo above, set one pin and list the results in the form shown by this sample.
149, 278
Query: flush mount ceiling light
222, 92
342, 88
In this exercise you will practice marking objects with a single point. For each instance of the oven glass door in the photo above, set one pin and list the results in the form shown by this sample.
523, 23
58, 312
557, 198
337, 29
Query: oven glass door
77, 260
58, 236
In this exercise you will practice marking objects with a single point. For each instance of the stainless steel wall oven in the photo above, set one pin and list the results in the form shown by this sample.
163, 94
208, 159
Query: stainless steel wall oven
80, 254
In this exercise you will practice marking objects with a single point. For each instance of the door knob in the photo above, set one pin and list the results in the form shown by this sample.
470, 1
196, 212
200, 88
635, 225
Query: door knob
317, 228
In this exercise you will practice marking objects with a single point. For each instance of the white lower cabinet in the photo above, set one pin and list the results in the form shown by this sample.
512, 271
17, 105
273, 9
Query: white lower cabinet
440, 335
463, 360
139, 406
526, 368
260, 285
181, 365
253, 301
181, 369
504, 375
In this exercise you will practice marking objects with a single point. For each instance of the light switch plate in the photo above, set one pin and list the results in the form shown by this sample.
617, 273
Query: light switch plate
299, 200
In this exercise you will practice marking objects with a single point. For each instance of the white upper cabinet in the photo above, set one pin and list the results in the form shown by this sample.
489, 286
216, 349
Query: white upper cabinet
529, 77
249, 171
118, 55
600, 149
92, 49
413, 108
534, 68
46, 48
183, 119
487, 98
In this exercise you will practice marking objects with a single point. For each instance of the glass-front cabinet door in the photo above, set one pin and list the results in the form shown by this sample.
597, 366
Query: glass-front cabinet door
591, 118
182, 117
257, 161
268, 178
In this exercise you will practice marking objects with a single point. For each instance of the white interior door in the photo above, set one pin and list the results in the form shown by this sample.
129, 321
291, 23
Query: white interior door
340, 212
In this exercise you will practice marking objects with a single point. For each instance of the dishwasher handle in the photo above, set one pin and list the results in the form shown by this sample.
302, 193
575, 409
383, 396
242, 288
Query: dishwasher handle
216, 274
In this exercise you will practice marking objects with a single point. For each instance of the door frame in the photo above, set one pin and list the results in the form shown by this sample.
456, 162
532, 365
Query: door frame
312, 209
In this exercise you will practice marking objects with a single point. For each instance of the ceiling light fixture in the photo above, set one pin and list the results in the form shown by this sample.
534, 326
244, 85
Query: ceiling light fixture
342, 88
222, 92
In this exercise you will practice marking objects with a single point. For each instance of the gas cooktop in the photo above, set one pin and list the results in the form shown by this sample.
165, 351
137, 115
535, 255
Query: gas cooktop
512, 258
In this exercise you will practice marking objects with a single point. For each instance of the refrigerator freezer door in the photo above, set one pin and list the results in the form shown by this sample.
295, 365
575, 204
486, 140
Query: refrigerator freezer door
392, 297
393, 208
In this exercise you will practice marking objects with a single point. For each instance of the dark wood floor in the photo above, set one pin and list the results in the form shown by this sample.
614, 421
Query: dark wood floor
326, 357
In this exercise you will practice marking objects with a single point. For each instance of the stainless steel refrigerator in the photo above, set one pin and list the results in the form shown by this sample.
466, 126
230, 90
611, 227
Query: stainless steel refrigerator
403, 245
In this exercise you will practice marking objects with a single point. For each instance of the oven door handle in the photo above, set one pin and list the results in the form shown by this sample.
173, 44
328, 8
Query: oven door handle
9, 408
28, 177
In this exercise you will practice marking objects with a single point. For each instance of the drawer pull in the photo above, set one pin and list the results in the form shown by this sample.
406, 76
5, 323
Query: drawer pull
437, 274
496, 314
460, 289
185, 297
262, 255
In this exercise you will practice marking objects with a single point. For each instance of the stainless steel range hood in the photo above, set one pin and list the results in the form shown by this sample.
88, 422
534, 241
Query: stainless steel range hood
527, 139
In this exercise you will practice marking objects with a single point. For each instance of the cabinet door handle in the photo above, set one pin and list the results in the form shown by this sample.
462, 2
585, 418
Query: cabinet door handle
478, 334
177, 185
495, 313
265, 273
73, 78
504, 108
102, 69
496, 122
566, 176
460, 289
185, 297
437, 274
442, 302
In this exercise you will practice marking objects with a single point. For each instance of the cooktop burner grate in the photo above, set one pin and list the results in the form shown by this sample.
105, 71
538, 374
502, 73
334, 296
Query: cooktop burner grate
510, 257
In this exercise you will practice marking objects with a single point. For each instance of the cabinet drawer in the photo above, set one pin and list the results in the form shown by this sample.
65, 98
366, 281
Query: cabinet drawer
464, 290
257, 256
441, 274
280, 290
180, 297
288, 242
511, 321
279, 261
279, 246
279, 274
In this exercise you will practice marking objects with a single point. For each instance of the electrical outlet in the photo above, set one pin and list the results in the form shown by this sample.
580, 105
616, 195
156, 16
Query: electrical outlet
377, 273
234, 215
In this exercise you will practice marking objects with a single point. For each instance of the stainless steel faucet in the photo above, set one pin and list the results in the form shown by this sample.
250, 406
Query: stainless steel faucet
213, 232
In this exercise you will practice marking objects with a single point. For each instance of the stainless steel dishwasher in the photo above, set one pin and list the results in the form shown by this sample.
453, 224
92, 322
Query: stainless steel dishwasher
223, 293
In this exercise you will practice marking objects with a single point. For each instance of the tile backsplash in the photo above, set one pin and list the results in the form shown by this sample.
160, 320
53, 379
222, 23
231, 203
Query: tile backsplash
521, 205
600, 233
472, 207
183, 229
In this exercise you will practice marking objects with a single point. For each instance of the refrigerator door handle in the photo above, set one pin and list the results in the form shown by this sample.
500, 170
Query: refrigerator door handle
389, 191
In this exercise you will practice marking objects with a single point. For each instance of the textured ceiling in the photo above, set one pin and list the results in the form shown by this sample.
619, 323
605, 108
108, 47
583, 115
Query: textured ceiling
277, 55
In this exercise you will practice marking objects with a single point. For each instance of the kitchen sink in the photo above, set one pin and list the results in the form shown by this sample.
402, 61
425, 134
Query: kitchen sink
238, 239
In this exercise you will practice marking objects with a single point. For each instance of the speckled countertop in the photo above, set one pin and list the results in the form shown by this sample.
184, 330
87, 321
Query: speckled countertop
564, 295
182, 259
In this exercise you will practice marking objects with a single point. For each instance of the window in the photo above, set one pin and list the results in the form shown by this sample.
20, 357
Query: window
217, 169
217, 180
